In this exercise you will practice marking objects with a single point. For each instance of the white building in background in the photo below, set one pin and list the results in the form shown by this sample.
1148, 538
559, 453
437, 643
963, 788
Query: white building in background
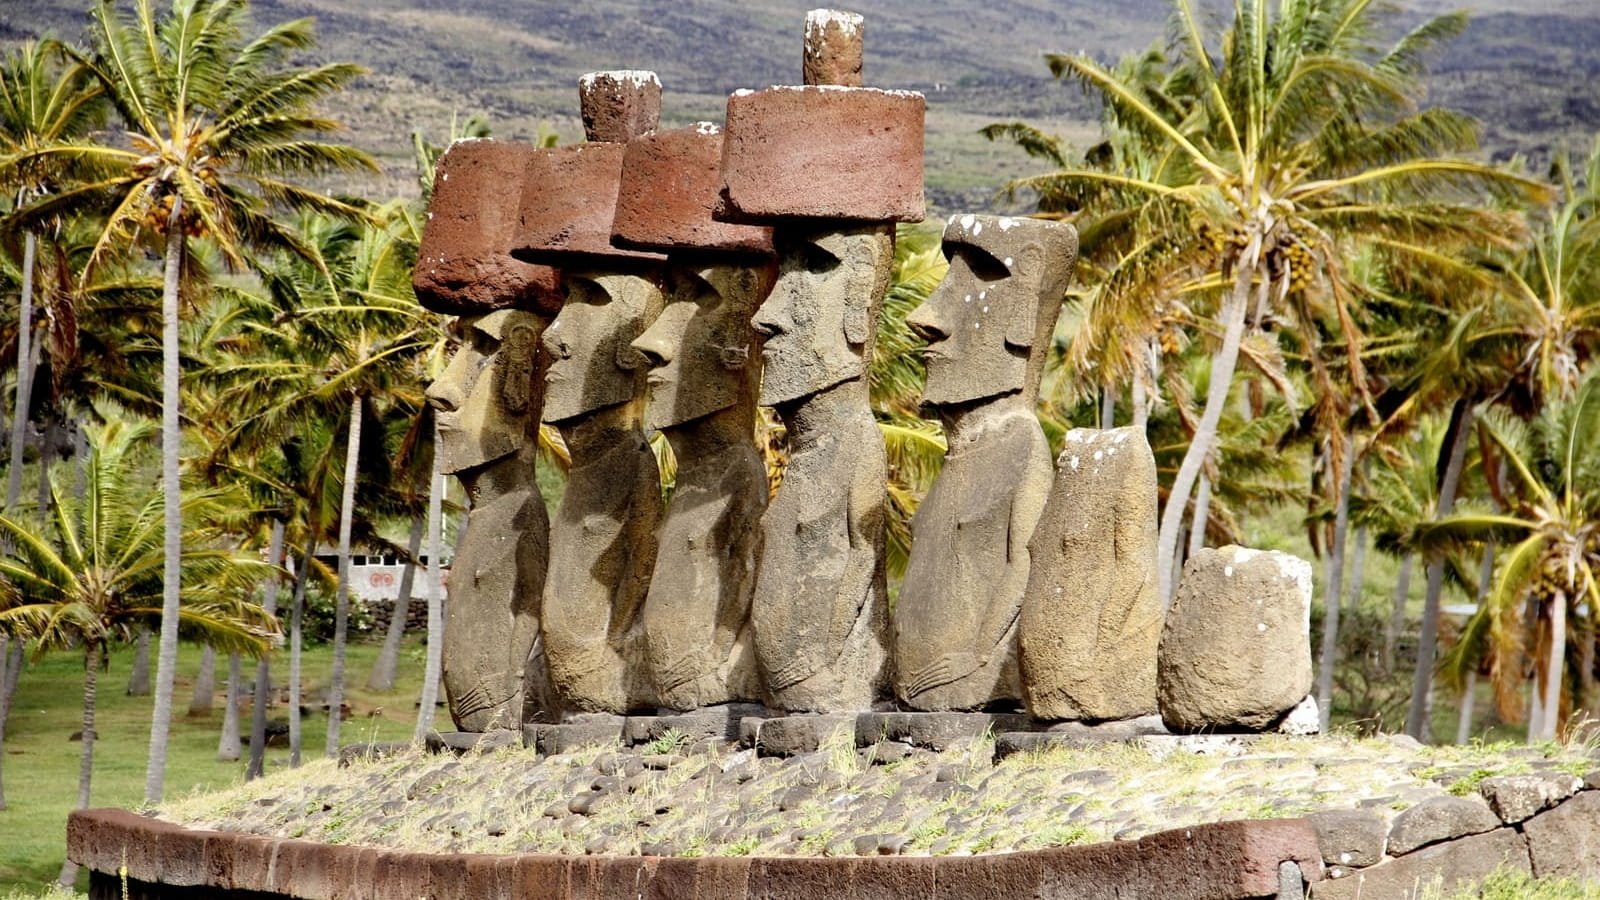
376, 578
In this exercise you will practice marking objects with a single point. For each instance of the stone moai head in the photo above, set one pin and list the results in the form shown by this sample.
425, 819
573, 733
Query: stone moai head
592, 365
609, 293
822, 313
704, 357
703, 354
989, 322
487, 399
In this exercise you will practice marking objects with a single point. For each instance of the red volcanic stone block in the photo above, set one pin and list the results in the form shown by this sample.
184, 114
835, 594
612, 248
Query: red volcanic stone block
669, 187
464, 265
820, 152
568, 203
1227, 859
619, 106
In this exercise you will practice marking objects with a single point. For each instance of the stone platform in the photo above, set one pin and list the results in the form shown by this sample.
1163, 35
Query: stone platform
1146, 816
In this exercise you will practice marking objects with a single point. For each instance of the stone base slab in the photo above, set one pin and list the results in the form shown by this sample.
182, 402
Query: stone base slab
1222, 861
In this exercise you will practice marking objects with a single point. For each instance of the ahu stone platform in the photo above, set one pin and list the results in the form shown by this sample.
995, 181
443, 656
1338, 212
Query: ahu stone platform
1078, 817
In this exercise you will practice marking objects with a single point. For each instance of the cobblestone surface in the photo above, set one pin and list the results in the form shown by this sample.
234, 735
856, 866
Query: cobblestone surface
713, 798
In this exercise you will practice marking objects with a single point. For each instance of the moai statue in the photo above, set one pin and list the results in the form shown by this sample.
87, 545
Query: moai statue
603, 541
1091, 620
487, 405
705, 369
831, 166
988, 326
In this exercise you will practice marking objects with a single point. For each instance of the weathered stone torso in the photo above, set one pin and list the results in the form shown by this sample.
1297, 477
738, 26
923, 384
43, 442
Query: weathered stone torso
602, 550
492, 619
956, 617
820, 604
697, 613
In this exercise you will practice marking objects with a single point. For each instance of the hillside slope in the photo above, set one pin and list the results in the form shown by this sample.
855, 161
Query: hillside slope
1526, 72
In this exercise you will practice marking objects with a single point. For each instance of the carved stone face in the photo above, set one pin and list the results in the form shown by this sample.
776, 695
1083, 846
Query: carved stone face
701, 349
592, 365
485, 396
822, 314
988, 323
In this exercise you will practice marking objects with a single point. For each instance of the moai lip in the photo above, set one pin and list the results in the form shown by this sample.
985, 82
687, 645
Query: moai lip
464, 265
669, 188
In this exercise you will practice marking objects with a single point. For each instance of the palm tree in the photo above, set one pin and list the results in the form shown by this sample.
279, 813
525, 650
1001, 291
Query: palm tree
90, 577
213, 123
1280, 149
1551, 529
41, 103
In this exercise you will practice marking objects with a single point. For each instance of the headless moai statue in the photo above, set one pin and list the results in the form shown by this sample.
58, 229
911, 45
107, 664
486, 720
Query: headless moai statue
487, 403
988, 326
487, 408
831, 166
702, 397
603, 541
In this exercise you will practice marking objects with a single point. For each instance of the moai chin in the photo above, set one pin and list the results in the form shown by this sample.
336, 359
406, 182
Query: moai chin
488, 401
705, 369
603, 539
987, 327
486, 404
831, 166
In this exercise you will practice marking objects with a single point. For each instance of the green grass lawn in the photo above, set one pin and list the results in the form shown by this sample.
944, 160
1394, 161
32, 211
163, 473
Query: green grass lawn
41, 761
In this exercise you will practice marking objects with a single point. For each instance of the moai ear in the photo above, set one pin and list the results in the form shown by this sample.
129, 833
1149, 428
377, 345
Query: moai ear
1026, 268
516, 365
864, 261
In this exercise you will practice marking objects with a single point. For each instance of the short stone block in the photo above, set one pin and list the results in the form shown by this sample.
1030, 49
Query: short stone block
568, 205
670, 181
1566, 840
793, 735
1443, 865
823, 153
464, 265
935, 730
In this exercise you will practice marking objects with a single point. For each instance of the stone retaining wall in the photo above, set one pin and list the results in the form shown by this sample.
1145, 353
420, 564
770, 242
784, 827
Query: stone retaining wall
156, 860
1545, 824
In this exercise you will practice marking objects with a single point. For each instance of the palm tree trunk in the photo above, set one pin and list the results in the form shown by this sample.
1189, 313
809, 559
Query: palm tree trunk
172, 518
1358, 571
205, 683
258, 703
91, 671
139, 673
1422, 680
1334, 591
1108, 407
341, 614
1202, 515
11, 652
228, 743
27, 359
382, 677
296, 639
1205, 434
430, 674
1469, 698
1555, 668
1397, 611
